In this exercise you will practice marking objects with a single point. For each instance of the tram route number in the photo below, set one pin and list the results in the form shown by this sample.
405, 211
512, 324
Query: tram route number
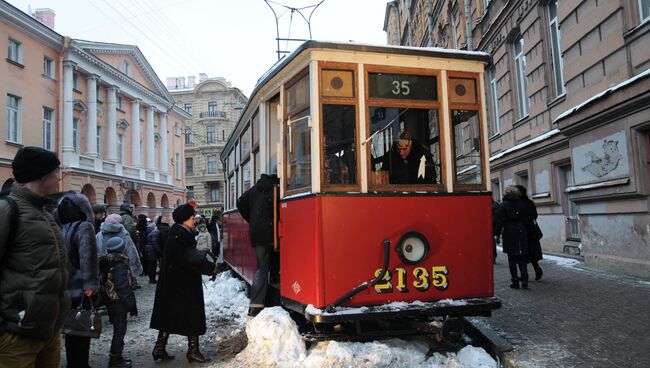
423, 279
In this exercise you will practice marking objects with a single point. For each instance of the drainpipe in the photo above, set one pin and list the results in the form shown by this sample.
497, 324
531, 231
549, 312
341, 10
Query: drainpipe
468, 25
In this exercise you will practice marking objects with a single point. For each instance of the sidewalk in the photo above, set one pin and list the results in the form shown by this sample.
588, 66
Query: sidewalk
573, 317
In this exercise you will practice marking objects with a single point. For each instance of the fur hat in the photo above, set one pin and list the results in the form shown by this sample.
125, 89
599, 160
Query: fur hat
113, 219
74, 207
182, 213
115, 245
126, 207
31, 163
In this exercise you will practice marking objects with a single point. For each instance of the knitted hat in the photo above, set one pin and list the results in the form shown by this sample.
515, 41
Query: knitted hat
201, 226
115, 245
113, 219
182, 213
31, 163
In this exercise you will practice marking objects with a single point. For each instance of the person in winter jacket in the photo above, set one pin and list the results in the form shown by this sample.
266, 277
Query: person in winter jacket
100, 215
164, 229
203, 240
215, 235
408, 162
178, 305
113, 227
511, 222
256, 207
151, 252
534, 246
141, 227
130, 223
78, 225
120, 299
34, 298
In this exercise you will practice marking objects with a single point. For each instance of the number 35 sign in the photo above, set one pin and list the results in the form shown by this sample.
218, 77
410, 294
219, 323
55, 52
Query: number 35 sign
402, 86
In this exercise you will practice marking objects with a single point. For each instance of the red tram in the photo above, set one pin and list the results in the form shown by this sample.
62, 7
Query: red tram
384, 193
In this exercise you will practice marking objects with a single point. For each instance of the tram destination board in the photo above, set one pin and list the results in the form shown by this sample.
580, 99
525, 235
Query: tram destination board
402, 86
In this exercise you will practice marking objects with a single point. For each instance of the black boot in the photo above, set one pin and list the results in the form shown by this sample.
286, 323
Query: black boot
193, 353
159, 351
515, 283
538, 272
118, 361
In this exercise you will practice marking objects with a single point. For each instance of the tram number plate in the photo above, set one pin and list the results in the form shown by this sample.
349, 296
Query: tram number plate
422, 279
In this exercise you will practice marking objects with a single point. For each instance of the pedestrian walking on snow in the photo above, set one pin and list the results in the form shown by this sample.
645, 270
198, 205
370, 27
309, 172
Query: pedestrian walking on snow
511, 223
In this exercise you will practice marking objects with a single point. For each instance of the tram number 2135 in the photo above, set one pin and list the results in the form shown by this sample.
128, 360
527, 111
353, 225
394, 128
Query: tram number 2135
422, 280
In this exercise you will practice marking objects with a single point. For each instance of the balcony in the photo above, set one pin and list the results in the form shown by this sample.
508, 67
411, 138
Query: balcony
212, 115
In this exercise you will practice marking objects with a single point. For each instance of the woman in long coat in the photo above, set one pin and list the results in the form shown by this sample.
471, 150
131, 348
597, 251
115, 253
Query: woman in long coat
178, 306
512, 216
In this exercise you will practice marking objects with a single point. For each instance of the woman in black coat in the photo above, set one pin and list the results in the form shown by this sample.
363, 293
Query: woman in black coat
178, 306
511, 222
534, 246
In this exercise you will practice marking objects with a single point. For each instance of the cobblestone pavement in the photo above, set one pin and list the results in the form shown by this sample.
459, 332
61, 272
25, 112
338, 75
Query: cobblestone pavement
573, 317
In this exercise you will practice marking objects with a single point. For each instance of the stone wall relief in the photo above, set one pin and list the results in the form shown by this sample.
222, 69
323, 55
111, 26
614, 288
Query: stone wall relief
601, 160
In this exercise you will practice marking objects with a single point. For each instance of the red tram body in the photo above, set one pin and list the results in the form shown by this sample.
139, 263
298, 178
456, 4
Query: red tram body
334, 234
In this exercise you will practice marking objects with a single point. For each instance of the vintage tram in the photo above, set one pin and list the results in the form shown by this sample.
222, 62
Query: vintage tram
384, 207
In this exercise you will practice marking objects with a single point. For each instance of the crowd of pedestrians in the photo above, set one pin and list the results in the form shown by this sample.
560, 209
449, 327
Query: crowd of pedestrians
59, 254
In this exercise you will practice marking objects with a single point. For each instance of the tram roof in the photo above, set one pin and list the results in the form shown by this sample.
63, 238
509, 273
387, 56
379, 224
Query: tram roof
438, 52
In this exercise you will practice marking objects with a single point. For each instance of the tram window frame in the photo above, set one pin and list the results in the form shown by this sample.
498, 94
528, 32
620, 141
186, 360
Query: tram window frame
246, 134
298, 112
376, 102
353, 101
482, 186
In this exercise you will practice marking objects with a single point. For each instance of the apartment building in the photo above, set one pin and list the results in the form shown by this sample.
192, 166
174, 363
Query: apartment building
567, 110
100, 107
215, 106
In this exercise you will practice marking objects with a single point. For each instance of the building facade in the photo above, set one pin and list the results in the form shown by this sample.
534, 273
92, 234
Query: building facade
568, 112
100, 107
215, 106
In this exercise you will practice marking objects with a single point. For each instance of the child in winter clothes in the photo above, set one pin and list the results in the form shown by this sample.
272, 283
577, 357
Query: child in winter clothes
203, 240
120, 300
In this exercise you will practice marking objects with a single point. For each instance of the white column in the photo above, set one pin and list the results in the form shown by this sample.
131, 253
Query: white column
149, 139
136, 160
164, 160
91, 132
111, 122
68, 68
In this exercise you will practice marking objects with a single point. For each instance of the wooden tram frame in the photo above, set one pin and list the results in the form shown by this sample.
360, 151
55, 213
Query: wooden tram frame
311, 59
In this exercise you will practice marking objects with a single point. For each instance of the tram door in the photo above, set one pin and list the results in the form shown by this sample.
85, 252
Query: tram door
569, 207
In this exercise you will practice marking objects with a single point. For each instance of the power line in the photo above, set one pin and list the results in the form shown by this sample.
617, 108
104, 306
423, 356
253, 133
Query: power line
180, 37
164, 49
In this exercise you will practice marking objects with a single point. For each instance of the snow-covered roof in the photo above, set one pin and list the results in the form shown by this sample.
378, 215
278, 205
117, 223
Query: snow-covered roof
539, 138
600, 95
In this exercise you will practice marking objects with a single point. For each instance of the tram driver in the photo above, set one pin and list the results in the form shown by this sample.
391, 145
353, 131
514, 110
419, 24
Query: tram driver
409, 162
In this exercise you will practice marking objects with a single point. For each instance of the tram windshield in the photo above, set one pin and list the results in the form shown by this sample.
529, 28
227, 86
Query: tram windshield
405, 146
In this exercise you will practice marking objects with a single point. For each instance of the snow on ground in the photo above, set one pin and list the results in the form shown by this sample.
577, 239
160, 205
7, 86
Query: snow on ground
274, 341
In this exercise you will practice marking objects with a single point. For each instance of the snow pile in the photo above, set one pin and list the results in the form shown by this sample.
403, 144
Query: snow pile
273, 340
225, 298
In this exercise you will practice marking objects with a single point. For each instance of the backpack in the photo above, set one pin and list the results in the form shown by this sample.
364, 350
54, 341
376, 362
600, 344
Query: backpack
13, 214
107, 277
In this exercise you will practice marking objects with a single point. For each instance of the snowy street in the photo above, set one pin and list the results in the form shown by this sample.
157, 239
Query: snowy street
269, 340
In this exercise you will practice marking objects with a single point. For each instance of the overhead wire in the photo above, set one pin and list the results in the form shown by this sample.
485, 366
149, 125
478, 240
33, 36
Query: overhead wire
163, 60
180, 37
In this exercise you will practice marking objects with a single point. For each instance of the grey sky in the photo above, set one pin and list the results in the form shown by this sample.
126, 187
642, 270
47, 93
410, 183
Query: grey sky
230, 38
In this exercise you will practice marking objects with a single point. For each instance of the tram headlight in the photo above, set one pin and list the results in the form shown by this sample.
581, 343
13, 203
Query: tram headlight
413, 247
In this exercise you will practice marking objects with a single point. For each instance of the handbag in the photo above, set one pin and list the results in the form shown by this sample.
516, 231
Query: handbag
84, 323
537, 232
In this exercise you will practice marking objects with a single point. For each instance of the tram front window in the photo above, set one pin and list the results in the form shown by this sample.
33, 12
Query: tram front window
405, 146
467, 146
339, 154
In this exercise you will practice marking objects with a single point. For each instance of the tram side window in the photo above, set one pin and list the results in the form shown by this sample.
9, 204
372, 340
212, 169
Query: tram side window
405, 146
298, 135
339, 153
467, 147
